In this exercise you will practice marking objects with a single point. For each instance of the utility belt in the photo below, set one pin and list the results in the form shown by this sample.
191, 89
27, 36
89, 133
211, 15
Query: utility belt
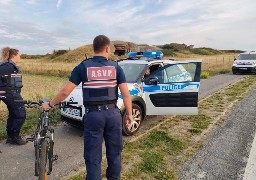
99, 107
9, 90
11, 83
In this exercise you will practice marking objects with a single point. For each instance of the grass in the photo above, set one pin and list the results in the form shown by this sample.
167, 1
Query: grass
35, 88
204, 75
47, 67
161, 153
211, 65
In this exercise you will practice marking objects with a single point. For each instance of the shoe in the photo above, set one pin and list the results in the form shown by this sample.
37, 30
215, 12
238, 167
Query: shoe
9, 140
16, 140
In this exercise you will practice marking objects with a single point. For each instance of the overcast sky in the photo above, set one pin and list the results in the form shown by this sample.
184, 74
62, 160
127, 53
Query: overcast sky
40, 26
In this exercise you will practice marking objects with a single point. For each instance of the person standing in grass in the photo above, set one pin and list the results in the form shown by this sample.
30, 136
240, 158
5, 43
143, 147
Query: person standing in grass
10, 88
100, 78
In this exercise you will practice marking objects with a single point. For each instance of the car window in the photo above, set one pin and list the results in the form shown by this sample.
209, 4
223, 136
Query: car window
247, 57
160, 75
189, 68
176, 73
132, 71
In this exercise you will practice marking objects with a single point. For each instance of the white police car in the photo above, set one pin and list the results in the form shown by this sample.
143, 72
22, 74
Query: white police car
245, 62
171, 89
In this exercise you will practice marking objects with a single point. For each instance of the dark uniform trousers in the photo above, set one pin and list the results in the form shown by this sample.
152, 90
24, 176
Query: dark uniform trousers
17, 114
101, 124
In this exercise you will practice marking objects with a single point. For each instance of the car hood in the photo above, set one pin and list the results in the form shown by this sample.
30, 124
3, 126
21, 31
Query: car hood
76, 95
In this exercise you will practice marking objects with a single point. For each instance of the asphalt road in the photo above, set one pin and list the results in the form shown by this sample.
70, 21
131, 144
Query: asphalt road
17, 162
225, 154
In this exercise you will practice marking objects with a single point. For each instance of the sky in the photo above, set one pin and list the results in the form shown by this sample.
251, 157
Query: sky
41, 26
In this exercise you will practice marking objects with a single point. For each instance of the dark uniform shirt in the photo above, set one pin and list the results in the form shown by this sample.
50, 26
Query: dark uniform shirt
78, 74
7, 68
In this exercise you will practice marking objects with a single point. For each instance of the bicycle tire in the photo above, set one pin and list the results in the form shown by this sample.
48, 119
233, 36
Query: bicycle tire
50, 156
37, 160
43, 160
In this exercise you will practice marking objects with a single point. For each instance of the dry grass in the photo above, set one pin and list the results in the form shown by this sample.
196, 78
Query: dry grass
213, 62
222, 62
46, 67
36, 87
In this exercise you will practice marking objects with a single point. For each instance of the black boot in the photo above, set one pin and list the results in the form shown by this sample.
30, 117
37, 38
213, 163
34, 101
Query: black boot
16, 140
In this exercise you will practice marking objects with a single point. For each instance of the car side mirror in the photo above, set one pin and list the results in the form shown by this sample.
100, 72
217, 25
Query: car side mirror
151, 81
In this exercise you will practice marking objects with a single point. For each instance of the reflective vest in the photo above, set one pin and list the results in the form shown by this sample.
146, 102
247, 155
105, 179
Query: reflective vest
10, 82
100, 86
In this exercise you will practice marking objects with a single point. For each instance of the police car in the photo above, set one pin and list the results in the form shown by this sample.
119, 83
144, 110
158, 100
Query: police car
170, 89
245, 62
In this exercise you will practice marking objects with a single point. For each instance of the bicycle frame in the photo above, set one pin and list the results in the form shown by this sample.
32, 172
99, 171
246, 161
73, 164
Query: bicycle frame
43, 140
43, 133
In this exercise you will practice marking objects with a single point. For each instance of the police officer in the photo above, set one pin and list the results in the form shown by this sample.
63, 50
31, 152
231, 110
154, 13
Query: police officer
100, 79
10, 88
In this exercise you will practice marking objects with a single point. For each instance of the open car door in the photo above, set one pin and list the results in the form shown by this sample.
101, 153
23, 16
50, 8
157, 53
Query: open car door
173, 89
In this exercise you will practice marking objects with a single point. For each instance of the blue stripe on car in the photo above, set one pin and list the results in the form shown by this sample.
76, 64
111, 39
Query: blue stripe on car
133, 92
170, 87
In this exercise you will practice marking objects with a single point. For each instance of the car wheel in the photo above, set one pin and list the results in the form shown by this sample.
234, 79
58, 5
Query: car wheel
234, 72
131, 129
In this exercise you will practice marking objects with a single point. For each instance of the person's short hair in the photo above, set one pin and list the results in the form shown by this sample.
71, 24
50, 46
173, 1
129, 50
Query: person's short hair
100, 42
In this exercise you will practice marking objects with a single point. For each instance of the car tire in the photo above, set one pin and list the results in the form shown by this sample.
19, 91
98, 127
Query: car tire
234, 72
129, 130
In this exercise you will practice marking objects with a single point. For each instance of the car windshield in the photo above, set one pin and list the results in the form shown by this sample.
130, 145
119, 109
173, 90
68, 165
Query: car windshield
247, 57
132, 71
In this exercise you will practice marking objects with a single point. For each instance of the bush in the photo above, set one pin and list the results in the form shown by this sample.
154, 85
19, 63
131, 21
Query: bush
26, 56
204, 51
204, 75
168, 52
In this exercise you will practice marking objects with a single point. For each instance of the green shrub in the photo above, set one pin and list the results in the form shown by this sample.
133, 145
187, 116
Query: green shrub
204, 75
168, 52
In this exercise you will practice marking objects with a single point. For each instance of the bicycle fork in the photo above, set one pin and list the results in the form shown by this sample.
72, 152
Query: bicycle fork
51, 157
37, 139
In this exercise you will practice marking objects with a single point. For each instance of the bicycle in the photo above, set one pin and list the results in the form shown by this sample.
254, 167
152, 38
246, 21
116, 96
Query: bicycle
43, 139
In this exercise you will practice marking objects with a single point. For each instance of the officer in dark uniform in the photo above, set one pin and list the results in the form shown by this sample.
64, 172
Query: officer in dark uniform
100, 79
10, 88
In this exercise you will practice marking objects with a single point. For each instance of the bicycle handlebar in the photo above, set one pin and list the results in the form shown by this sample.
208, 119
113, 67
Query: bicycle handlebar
41, 101
27, 102
2, 97
65, 103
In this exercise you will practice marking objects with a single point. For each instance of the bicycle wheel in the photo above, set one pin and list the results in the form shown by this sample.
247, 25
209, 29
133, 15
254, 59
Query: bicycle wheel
36, 160
43, 160
50, 155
